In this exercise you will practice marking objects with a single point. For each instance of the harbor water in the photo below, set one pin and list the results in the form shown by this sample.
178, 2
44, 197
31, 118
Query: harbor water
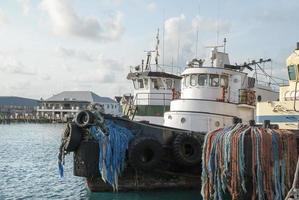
28, 169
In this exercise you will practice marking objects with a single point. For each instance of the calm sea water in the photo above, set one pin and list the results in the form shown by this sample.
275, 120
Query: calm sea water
28, 169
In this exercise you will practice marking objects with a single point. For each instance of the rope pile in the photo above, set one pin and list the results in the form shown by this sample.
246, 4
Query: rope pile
112, 150
242, 160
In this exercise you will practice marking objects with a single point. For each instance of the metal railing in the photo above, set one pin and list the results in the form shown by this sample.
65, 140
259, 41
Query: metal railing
132, 106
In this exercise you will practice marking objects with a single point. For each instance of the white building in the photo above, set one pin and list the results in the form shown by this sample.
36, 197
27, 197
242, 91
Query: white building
65, 105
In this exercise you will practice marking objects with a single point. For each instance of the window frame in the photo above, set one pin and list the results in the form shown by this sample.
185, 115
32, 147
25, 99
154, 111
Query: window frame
226, 78
171, 83
211, 80
195, 79
205, 82
188, 78
293, 71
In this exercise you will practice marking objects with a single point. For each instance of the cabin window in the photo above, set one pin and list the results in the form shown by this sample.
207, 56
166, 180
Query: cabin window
202, 79
157, 83
224, 81
193, 80
145, 83
135, 84
140, 83
187, 81
214, 80
168, 83
292, 72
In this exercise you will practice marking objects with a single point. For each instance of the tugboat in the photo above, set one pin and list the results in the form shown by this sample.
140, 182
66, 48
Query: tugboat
117, 153
216, 95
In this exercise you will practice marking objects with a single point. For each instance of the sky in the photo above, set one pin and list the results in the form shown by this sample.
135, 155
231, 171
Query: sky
50, 46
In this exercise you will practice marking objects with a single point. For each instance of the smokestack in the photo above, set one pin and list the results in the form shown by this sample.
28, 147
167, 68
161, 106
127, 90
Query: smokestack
297, 46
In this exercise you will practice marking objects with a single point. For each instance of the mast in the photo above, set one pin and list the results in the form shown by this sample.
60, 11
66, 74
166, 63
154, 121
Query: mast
157, 49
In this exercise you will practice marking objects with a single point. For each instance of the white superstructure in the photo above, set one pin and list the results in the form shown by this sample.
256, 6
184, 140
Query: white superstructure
215, 95
154, 88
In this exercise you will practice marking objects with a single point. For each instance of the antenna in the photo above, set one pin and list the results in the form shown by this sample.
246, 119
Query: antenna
163, 37
197, 31
217, 22
224, 45
157, 49
179, 35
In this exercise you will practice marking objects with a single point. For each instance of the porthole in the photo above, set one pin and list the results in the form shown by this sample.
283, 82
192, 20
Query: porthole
217, 123
183, 120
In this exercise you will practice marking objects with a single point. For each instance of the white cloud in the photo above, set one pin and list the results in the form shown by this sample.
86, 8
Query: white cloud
77, 54
14, 66
117, 2
65, 21
3, 17
180, 36
108, 71
26, 6
208, 24
151, 7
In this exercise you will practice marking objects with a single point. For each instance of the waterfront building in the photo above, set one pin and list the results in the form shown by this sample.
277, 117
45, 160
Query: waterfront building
65, 105
17, 107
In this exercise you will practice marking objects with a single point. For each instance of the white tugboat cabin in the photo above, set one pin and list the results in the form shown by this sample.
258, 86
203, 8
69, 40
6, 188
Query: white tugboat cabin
215, 96
154, 88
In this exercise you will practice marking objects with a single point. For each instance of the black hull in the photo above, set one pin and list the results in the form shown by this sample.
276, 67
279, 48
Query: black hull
148, 182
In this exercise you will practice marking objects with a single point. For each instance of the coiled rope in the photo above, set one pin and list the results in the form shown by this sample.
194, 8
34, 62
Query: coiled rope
230, 170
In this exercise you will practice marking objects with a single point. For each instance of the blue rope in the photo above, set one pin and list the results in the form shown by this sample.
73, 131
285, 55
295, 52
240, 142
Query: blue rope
112, 151
60, 169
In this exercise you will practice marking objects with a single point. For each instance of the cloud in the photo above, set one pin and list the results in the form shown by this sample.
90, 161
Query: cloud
26, 6
180, 36
117, 2
65, 21
151, 7
77, 54
108, 71
3, 17
212, 25
13, 66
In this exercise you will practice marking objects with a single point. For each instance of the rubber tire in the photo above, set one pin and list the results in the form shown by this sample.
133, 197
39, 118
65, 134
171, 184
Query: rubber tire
145, 153
187, 150
73, 137
84, 118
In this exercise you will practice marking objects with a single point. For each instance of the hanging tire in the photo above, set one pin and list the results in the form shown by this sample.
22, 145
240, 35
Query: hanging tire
84, 118
73, 137
145, 153
187, 150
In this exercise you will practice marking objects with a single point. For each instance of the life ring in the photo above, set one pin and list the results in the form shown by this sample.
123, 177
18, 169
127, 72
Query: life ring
84, 118
145, 153
72, 136
187, 150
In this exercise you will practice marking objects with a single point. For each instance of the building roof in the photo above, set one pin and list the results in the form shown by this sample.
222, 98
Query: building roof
18, 101
86, 96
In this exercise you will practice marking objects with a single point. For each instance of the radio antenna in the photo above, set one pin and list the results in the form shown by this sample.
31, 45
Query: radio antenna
217, 24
